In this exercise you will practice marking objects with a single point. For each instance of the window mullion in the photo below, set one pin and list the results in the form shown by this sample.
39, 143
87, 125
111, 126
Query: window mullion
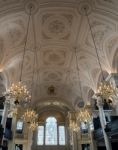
44, 139
57, 134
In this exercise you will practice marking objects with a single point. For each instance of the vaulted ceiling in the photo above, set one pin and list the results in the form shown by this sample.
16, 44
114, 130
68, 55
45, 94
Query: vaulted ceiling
60, 26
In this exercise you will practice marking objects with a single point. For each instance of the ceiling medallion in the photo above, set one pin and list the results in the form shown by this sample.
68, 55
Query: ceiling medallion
84, 5
31, 4
56, 27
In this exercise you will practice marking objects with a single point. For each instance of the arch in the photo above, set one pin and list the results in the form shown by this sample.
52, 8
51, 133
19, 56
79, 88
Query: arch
60, 117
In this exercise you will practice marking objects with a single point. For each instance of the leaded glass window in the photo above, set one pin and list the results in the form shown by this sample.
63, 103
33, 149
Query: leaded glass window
51, 131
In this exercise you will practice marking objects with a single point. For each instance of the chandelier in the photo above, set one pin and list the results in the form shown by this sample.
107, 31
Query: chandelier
19, 92
74, 126
30, 116
15, 112
84, 115
106, 90
33, 125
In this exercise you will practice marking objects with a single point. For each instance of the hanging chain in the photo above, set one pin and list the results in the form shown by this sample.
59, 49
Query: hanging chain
78, 73
94, 45
25, 44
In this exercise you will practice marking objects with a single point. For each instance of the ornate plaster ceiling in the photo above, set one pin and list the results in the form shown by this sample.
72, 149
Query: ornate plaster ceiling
60, 26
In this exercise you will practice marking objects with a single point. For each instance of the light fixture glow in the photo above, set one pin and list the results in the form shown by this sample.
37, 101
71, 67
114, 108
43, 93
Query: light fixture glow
19, 93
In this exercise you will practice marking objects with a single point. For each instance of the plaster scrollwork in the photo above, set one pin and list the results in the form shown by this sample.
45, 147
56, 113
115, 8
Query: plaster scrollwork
100, 31
54, 57
13, 33
56, 26
31, 4
100, 34
54, 76
105, 1
1, 49
84, 7
111, 44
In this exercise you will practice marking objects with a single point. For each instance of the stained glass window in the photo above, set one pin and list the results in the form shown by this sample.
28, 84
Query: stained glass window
61, 135
40, 138
51, 131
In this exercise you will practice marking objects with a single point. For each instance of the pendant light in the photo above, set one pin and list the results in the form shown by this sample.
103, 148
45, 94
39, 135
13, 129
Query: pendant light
18, 91
30, 117
105, 89
82, 114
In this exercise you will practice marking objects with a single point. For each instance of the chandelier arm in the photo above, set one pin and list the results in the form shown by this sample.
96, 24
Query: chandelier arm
25, 44
96, 50
78, 73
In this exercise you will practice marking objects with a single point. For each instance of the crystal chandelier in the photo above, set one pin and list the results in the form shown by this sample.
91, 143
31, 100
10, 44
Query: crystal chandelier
19, 92
33, 125
74, 126
106, 90
15, 112
84, 115
30, 116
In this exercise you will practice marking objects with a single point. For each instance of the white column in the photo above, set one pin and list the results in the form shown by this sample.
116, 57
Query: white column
79, 140
93, 145
14, 120
113, 79
5, 113
30, 136
72, 140
103, 122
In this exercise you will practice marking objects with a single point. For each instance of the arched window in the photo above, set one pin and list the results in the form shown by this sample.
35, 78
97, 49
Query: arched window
51, 133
